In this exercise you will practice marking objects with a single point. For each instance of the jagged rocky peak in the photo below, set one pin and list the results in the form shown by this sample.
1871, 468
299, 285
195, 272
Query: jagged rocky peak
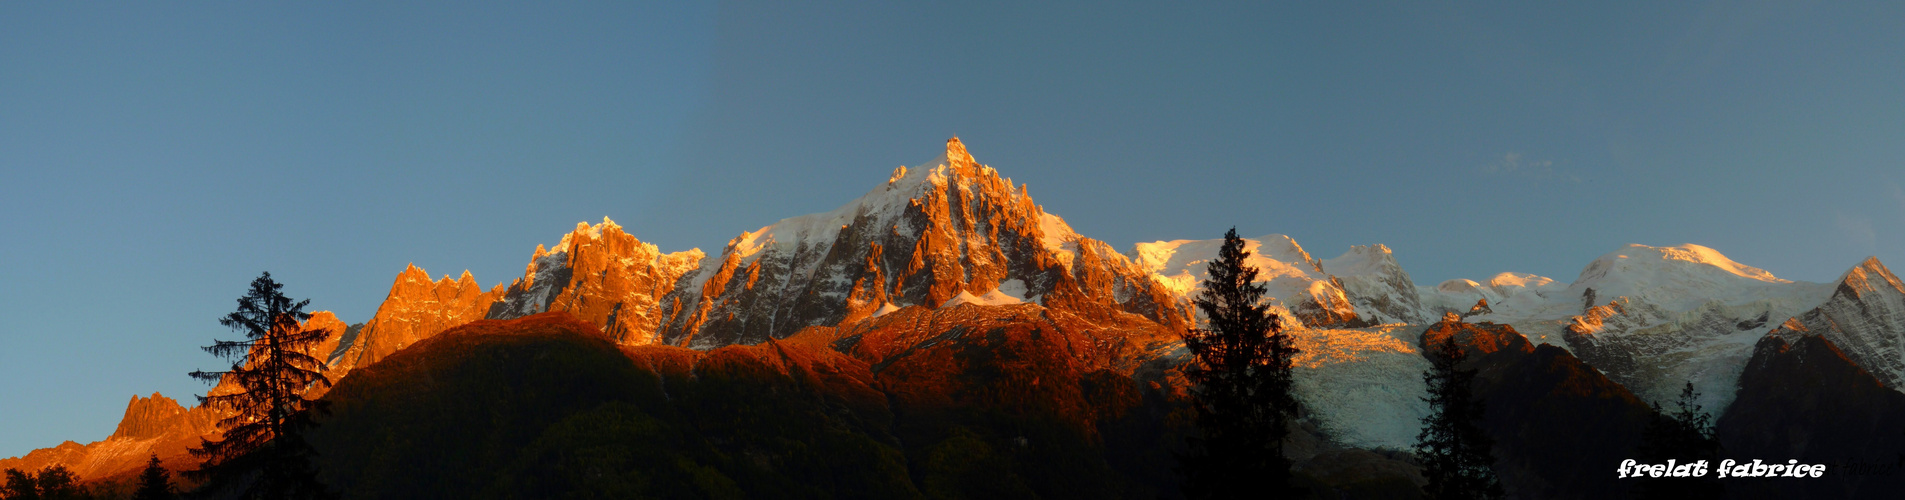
1864, 317
1376, 284
417, 308
336, 339
335, 328
148, 417
956, 153
603, 275
932, 233
1870, 276
155, 425
947, 232
1477, 339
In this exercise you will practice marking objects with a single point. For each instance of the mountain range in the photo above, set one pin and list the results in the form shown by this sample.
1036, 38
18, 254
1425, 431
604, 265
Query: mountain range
946, 294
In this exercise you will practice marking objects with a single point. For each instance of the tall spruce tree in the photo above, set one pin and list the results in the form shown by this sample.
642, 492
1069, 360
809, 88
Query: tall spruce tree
1685, 435
155, 483
1457, 457
263, 453
1242, 394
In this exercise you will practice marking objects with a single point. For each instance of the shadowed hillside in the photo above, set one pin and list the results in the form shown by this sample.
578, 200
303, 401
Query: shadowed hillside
547, 405
1559, 425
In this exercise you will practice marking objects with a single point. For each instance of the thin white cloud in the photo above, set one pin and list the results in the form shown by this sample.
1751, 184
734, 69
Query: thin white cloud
1513, 164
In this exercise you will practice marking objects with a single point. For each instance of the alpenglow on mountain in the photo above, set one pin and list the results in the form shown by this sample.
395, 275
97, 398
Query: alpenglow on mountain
946, 248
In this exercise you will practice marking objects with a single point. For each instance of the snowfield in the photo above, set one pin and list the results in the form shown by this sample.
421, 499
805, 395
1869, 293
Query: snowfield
1363, 386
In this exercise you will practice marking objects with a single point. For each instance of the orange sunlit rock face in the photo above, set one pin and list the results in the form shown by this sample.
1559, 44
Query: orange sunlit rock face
929, 235
155, 425
417, 308
328, 322
606, 277
1476, 339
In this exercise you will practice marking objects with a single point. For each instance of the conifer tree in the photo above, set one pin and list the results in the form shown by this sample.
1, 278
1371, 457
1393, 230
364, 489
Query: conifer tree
155, 483
57, 482
1456, 455
1685, 435
1243, 386
20, 486
263, 453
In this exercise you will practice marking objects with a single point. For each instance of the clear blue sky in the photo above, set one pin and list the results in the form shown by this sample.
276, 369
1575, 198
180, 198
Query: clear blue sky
155, 158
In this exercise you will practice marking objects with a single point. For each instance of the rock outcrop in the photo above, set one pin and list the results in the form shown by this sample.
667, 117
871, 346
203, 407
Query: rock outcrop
155, 425
417, 308
602, 275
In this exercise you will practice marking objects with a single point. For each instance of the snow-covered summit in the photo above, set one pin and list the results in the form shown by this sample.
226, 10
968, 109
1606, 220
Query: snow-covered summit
955, 168
1363, 286
1181, 264
1676, 277
1377, 284
1651, 317
1512, 298
930, 233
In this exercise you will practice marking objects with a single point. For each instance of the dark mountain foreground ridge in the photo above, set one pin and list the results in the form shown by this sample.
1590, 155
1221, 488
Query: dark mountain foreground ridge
1802, 398
546, 405
1559, 425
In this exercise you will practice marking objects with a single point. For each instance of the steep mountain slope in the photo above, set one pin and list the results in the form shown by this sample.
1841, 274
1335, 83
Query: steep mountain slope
931, 233
1865, 319
1678, 314
1557, 422
547, 404
1363, 387
1801, 397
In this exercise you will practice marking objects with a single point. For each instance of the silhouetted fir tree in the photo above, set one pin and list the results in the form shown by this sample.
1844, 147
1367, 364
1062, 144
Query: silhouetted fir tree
57, 482
20, 486
263, 453
1456, 455
1685, 435
155, 483
1242, 394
